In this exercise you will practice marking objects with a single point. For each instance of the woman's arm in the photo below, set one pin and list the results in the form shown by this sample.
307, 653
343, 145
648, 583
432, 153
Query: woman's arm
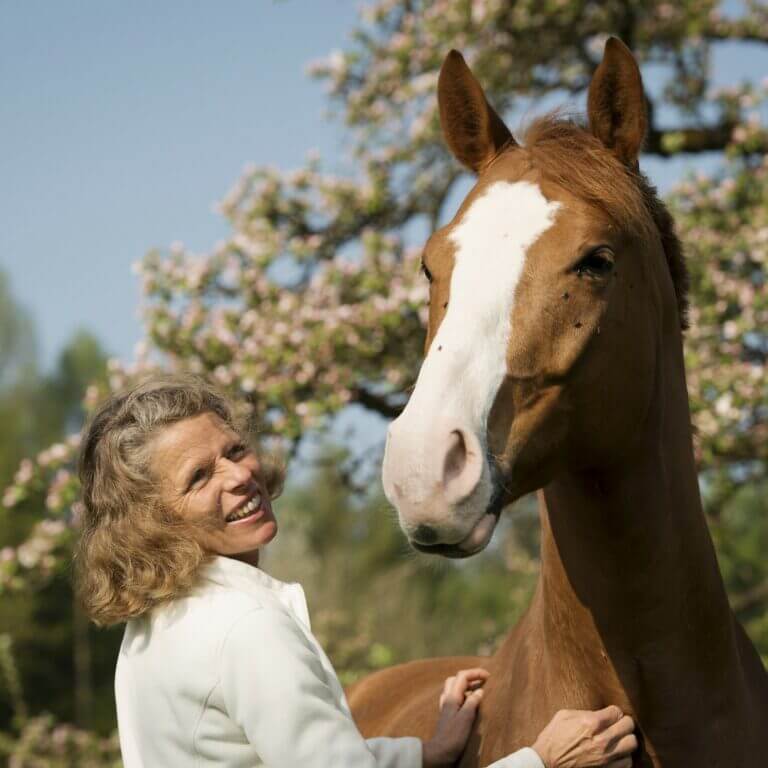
275, 688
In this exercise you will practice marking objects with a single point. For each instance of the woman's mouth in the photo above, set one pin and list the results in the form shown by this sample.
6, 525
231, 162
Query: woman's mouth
251, 510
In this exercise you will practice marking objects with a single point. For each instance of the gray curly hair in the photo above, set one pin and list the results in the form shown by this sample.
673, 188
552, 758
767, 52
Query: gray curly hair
134, 553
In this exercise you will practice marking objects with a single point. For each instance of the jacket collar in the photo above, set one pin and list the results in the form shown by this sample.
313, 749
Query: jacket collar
234, 574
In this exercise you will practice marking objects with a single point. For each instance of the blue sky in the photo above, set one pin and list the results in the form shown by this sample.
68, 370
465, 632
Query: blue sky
122, 123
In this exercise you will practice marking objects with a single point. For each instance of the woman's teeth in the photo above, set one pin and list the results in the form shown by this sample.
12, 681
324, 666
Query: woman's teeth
247, 509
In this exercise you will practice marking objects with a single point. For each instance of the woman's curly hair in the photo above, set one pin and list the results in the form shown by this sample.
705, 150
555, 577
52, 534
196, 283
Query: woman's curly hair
135, 553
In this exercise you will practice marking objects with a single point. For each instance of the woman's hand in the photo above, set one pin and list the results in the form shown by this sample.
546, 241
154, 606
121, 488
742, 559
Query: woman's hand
581, 739
458, 707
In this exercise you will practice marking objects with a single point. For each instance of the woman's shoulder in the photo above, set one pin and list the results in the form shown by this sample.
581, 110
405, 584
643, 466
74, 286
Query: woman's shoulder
194, 625
236, 586
210, 606
224, 595
223, 617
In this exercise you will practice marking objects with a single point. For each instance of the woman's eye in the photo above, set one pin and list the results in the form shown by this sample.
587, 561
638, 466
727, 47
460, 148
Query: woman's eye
238, 450
426, 272
597, 263
197, 477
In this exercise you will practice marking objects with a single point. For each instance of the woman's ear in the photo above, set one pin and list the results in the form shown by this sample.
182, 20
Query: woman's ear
616, 103
473, 131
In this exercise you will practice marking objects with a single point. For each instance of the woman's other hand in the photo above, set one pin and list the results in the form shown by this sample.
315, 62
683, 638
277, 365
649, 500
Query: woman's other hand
459, 701
581, 739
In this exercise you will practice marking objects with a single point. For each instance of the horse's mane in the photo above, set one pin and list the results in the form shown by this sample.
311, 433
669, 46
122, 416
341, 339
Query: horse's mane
566, 152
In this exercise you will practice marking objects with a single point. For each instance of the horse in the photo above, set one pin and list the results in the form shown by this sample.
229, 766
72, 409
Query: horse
554, 363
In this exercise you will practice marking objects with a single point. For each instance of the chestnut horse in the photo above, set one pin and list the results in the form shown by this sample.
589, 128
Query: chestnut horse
555, 362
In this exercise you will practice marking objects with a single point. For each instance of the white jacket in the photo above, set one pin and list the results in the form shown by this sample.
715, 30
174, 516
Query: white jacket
232, 676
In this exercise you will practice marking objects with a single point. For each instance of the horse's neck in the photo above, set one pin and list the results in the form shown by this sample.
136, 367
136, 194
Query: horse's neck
631, 607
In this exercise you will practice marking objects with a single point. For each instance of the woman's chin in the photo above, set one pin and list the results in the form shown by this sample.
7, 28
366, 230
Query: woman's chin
257, 538
268, 531
248, 551
245, 542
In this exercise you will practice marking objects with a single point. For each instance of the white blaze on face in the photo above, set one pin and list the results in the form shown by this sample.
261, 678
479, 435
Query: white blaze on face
466, 363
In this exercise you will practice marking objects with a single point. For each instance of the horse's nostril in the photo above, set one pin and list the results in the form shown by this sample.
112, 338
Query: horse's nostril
425, 534
456, 457
462, 466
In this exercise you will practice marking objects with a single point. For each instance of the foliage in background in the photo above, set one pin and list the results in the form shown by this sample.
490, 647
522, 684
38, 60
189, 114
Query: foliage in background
48, 656
314, 302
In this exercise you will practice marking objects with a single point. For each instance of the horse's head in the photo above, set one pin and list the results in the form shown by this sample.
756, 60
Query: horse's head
549, 293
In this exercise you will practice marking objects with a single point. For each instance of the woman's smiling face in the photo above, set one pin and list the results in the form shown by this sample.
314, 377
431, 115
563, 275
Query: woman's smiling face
209, 475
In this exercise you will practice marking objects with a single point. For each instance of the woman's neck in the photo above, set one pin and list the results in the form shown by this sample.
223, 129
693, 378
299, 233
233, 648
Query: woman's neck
252, 558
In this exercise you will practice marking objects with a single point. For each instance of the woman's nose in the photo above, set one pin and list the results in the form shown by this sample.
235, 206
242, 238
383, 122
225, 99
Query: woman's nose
237, 475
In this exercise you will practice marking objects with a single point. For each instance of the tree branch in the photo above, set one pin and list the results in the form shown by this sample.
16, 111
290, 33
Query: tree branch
377, 403
737, 29
716, 138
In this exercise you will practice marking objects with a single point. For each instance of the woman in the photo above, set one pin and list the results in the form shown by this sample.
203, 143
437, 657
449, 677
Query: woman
218, 664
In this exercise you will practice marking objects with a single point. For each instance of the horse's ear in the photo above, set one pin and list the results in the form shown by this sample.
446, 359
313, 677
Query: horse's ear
616, 103
473, 131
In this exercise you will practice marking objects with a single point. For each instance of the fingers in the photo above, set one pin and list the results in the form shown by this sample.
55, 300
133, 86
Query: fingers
457, 688
607, 717
468, 679
472, 701
447, 688
454, 690
618, 731
476, 675
625, 746
460, 686
468, 710
619, 739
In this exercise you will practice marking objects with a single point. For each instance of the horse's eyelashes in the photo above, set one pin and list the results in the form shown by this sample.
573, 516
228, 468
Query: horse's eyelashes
426, 272
597, 263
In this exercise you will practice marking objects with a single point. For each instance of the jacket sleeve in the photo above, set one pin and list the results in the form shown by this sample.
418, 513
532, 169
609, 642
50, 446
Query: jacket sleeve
274, 687
391, 752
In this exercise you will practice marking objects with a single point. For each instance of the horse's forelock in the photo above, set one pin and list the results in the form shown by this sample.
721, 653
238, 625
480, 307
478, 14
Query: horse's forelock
569, 155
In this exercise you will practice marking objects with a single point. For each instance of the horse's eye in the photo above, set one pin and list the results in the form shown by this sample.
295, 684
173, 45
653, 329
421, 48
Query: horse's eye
426, 272
597, 263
